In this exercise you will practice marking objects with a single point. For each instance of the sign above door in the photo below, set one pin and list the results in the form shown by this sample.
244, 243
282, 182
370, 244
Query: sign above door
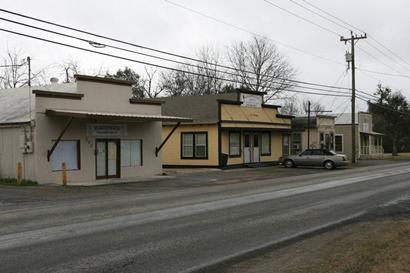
107, 130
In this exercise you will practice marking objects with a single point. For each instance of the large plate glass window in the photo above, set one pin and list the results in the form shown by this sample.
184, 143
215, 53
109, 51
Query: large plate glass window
67, 151
265, 141
234, 143
131, 153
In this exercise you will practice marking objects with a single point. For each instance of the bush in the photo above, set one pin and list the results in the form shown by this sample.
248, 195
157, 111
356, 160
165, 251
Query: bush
13, 182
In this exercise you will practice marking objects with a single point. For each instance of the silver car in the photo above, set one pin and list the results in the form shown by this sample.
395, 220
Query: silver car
316, 157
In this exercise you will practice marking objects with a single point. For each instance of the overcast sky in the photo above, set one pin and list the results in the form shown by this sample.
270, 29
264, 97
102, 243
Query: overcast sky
161, 25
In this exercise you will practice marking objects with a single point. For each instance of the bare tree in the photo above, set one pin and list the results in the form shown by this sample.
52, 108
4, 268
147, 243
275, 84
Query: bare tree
151, 90
315, 107
69, 68
260, 66
200, 78
291, 106
209, 78
14, 70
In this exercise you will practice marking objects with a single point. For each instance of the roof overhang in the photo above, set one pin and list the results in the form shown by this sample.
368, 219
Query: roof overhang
115, 116
372, 133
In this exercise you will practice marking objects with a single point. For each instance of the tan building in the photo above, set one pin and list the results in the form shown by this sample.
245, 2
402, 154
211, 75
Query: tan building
369, 143
322, 133
92, 125
232, 129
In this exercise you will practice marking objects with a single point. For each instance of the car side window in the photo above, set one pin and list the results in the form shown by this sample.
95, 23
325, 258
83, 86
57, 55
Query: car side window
317, 152
307, 152
326, 152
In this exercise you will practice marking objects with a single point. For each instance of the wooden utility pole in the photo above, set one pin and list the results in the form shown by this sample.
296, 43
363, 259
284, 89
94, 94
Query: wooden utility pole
352, 41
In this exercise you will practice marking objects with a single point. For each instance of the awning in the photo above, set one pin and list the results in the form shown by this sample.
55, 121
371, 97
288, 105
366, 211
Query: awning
372, 133
114, 116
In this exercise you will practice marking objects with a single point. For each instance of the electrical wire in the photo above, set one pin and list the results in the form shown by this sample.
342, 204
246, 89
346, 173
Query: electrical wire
250, 32
144, 54
303, 18
328, 92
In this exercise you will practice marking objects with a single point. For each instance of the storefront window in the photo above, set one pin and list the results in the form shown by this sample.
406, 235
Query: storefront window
131, 153
286, 145
265, 141
234, 143
67, 151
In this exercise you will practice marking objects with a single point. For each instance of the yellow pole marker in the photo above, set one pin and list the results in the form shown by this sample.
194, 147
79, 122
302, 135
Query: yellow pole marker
64, 173
19, 172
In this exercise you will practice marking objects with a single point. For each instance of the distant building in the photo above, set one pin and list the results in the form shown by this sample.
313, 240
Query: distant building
322, 133
369, 143
91, 125
228, 130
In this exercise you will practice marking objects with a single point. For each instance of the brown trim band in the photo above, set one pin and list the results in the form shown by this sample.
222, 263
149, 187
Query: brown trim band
189, 166
284, 116
58, 95
102, 80
231, 102
146, 101
271, 106
254, 122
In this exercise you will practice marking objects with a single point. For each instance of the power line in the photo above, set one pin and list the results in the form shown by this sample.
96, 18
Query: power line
145, 54
377, 59
251, 32
329, 92
303, 18
358, 29
318, 14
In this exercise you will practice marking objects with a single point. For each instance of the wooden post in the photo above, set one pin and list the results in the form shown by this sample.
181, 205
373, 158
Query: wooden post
19, 172
64, 173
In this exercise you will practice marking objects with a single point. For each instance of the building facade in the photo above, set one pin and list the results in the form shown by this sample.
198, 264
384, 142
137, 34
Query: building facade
369, 143
228, 130
321, 136
92, 126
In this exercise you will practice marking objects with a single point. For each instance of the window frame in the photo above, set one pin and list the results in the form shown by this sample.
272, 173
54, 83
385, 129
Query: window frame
78, 155
141, 153
240, 144
289, 137
194, 156
270, 144
343, 146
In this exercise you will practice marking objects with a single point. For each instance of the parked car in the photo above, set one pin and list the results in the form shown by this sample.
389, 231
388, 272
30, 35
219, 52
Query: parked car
316, 157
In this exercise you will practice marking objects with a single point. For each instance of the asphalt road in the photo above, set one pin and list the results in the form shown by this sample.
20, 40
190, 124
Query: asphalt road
186, 228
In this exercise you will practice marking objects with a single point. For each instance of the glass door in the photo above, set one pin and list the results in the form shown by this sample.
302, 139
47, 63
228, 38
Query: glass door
107, 158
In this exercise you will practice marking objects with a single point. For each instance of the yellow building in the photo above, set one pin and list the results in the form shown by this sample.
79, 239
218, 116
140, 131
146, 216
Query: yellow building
228, 130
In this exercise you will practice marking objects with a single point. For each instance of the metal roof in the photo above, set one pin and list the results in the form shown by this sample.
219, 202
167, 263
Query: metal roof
108, 115
346, 118
14, 102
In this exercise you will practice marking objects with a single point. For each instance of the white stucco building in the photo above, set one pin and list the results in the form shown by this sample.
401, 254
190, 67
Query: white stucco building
92, 125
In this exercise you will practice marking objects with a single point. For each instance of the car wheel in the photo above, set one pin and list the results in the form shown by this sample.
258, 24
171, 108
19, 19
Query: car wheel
329, 165
289, 164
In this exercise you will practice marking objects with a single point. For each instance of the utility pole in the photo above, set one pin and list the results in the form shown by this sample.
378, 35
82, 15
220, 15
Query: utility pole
352, 41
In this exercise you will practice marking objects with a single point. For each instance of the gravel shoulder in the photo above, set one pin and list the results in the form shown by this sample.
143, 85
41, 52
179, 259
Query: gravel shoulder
379, 242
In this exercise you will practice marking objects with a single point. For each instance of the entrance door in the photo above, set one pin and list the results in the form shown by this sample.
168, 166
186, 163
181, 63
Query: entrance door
107, 158
251, 148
